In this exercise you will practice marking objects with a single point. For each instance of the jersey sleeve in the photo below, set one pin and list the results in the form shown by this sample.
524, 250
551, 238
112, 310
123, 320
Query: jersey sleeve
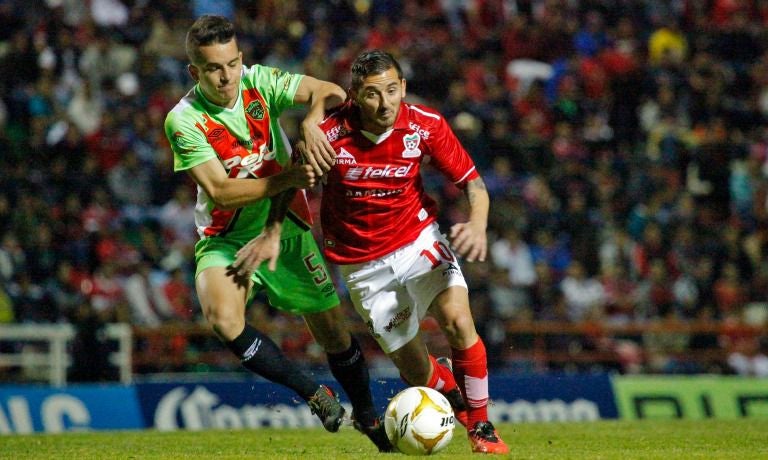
189, 145
448, 156
277, 86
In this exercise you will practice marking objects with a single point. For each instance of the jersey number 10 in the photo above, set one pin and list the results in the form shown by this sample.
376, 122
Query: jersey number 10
444, 254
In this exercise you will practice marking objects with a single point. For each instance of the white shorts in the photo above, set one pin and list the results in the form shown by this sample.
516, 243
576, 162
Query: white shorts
393, 293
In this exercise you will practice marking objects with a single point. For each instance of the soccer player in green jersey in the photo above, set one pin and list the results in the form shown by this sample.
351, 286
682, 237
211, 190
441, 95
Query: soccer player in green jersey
225, 134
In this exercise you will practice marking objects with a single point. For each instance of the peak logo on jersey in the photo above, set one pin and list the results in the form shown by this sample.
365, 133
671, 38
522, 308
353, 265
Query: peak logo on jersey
345, 158
388, 171
411, 142
256, 110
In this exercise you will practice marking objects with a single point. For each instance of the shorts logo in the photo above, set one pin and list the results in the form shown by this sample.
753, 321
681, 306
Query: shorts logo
411, 142
345, 158
398, 319
451, 270
255, 110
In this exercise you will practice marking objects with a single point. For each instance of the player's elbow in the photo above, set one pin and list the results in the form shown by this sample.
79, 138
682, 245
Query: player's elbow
222, 199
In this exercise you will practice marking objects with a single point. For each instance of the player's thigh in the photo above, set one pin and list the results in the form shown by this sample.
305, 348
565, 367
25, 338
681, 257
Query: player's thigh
382, 303
302, 283
223, 298
329, 328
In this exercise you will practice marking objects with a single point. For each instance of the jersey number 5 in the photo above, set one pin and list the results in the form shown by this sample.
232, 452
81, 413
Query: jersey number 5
319, 275
444, 254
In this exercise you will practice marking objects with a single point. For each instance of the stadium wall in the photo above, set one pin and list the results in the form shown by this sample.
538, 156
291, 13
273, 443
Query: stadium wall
199, 405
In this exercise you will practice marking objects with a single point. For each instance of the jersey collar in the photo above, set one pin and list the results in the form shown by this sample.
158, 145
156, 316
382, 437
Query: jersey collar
216, 107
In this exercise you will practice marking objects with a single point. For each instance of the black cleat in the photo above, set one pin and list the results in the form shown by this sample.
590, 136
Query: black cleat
376, 433
325, 404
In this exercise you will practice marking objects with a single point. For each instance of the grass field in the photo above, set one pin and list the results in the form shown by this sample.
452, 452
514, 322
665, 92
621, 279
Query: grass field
676, 439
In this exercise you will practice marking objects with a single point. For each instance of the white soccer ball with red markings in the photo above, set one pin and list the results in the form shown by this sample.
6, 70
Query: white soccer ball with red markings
419, 421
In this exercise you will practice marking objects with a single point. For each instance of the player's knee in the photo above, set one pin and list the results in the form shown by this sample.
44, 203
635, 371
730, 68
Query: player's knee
225, 325
335, 342
459, 326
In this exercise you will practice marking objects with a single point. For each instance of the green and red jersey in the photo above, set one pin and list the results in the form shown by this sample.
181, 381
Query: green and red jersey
248, 141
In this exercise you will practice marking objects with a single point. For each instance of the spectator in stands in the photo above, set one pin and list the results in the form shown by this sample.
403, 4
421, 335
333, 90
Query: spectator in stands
584, 295
513, 255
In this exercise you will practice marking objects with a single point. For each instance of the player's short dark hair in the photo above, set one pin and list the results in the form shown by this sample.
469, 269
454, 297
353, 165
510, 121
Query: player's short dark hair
208, 30
373, 62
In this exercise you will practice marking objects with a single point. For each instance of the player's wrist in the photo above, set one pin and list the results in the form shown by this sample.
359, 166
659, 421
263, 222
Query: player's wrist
273, 229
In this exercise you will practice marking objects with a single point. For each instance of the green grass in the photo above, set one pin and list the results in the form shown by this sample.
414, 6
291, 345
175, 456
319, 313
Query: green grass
649, 439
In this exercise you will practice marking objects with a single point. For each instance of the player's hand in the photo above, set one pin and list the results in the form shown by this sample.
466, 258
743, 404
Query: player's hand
469, 241
301, 176
315, 149
265, 247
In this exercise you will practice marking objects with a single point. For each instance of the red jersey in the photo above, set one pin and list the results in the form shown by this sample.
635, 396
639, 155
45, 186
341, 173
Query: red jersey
374, 200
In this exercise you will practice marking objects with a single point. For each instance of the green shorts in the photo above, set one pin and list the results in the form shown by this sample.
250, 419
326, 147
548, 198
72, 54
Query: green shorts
301, 283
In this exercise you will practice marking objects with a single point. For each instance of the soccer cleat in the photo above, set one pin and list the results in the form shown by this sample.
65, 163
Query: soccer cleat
485, 440
454, 396
325, 404
375, 433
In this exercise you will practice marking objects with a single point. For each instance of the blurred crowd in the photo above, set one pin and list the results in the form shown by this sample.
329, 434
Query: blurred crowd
624, 144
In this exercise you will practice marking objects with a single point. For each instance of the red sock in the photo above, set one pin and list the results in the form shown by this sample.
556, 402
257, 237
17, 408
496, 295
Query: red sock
442, 379
471, 369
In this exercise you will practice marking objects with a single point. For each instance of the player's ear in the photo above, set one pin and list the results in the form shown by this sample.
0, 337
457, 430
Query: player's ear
402, 86
193, 72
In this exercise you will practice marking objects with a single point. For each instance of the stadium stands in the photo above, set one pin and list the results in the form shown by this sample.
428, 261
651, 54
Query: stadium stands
624, 144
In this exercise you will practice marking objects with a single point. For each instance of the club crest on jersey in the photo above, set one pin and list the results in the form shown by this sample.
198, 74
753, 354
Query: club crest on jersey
411, 142
345, 158
255, 110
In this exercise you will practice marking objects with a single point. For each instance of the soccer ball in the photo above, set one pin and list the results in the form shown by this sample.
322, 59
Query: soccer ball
419, 421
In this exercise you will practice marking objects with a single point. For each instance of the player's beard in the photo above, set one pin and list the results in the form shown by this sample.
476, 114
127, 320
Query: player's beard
385, 120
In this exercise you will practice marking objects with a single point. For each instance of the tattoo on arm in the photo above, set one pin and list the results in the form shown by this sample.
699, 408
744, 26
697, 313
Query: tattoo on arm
472, 188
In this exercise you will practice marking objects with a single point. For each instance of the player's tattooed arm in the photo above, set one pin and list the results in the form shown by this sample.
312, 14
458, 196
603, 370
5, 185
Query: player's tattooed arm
469, 239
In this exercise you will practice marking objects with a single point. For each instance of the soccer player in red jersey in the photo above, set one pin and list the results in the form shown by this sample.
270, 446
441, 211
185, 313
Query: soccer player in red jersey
380, 227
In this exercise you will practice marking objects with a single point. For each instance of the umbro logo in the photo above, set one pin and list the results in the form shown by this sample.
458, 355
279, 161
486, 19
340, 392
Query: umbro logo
215, 133
345, 158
